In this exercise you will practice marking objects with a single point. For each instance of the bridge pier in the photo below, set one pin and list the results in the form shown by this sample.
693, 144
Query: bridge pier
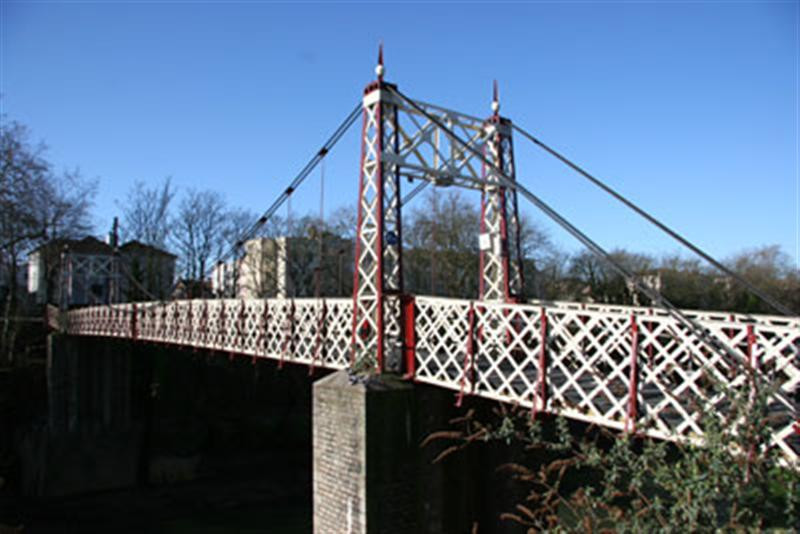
88, 384
366, 455
91, 441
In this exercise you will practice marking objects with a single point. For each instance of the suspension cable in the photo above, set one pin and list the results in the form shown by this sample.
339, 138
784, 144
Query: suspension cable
663, 227
318, 269
295, 183
655, 296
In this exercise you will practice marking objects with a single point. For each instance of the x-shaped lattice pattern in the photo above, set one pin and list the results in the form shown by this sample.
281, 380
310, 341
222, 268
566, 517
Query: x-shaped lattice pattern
588, 363
308, 331
377, 320
501, 271
498, 350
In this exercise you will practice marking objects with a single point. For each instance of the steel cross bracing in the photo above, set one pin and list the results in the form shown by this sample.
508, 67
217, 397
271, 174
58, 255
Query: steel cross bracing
622, 367
86, 270
400, 140
500, 258
377, 321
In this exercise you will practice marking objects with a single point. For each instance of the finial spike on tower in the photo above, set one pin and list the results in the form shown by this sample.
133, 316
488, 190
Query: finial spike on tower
379, 70
495, 99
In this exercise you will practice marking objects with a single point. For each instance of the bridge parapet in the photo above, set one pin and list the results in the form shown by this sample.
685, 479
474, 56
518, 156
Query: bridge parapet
307, 331
699, 315
622, 367
625, 369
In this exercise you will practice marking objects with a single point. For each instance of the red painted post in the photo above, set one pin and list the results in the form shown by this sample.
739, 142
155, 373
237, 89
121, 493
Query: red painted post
241, 326
204, 323
318, 342
239, 331
542, 393
221, 319
133, 323
410, 335
752, 361
469, 358
358, 243
176, 329
163, 326
633, 379
751, 342
288, 334
262, 335
190, 323
650, 345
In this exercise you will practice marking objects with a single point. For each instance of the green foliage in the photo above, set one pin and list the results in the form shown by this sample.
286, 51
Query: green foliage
596, 480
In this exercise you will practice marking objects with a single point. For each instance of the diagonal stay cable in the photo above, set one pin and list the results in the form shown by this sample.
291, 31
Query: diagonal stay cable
703, 334
663, 227
656, 297
414, 192
295, 183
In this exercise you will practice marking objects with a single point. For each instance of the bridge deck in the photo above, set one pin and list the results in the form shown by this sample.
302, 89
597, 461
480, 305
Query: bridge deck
617, 366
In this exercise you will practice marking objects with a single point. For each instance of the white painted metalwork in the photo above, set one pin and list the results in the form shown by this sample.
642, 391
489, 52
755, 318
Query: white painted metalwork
588, 361
425, 150
700, 315
399, 139
582, 367
377, 320
500, 261
292, 331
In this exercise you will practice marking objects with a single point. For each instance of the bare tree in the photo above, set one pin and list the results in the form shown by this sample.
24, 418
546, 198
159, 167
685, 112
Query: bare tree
343, 221
769, 268
23, 173
146, 213
442, 256
36, 204
197, 231
236, 221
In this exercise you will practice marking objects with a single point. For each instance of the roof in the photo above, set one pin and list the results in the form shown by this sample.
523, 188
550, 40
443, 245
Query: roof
137, 246
87, 245
92, 245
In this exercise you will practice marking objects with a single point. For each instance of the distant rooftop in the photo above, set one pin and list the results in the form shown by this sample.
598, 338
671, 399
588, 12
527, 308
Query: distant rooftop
138, 246
92, 245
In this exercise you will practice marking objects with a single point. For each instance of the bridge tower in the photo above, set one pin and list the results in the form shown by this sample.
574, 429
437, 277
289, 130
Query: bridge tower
500, 254
378, 273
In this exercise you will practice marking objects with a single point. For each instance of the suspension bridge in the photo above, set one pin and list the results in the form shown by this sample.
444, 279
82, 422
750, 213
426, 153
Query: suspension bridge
651, 370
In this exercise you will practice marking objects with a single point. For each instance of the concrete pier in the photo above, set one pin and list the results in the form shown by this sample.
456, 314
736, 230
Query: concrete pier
366, 455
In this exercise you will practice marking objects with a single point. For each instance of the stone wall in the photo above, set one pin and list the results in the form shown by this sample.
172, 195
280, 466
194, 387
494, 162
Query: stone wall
366, 456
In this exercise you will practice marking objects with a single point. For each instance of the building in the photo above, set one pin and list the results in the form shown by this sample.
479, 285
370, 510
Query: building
186, 288
80, 272
286, 267
149, 272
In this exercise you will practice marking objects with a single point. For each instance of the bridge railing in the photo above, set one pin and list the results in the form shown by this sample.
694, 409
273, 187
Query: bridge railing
309, 331
622, 367
635, 371
699, 315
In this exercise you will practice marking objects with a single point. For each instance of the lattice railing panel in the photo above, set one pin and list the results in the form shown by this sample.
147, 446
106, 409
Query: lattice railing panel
307, 331
588, 356
442, 329
338, 333
588, 370
498, 351
700, 315
506, 367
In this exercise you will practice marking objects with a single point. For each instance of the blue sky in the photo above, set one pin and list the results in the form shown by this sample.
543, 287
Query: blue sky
689, 108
